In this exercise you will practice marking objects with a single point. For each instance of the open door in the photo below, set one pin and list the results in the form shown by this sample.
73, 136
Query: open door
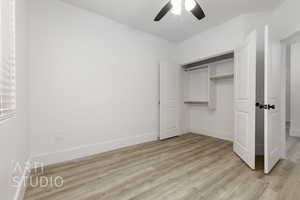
245, 96
169, 100
272, 100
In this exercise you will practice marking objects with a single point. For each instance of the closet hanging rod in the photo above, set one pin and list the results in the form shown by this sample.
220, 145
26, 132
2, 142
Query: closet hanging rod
195, 68
209, 60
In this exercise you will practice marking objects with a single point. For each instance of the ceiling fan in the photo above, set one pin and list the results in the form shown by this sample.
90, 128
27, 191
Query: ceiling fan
176, 6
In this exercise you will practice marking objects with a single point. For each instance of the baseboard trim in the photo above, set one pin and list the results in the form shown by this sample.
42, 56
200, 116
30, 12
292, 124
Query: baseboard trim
92, 149
212, 134
294, 132
21, 189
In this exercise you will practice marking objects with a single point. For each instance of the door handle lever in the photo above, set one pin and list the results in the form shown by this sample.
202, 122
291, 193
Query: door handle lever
271, 107
266, 107
260, 106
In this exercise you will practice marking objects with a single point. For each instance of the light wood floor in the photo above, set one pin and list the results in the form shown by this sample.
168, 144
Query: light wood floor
293, 149
190, 167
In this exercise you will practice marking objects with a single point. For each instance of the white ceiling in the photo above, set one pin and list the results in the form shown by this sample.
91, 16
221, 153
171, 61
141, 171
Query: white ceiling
140, 14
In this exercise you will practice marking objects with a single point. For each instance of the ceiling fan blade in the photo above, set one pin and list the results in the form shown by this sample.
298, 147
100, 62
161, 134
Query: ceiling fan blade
163, 11
198, 11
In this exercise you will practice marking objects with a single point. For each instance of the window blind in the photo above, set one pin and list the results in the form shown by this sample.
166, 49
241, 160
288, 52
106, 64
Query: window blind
7, 59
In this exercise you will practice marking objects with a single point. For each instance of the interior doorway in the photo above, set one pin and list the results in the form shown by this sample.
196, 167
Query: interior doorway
291, 105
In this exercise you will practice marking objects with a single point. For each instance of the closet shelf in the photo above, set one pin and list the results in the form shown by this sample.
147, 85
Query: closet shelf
196, 102
222, 76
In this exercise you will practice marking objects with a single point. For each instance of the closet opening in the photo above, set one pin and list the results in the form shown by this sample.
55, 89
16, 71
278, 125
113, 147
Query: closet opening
291, 108
208, 96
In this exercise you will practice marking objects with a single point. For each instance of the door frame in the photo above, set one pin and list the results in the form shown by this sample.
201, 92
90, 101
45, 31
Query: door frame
285, 43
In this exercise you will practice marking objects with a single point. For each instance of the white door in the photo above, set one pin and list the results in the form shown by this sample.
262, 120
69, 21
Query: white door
272, 100
169, 100
245, 95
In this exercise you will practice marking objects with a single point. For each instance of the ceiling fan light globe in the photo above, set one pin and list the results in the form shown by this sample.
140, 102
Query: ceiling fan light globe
176, 10
176, 3
190, 5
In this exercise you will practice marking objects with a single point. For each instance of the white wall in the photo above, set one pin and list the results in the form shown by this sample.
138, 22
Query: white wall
196, 85
295, 85
14, 132
94, 82
285, 19
216, 123
213, 41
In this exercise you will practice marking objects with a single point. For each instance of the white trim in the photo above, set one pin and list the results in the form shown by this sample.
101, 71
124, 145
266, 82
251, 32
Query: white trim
218, 135
283, 102
88, 150
21, 189
294, 132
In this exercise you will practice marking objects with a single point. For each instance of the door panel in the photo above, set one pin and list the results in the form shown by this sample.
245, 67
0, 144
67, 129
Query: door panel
245, 95
272, 97
169, 91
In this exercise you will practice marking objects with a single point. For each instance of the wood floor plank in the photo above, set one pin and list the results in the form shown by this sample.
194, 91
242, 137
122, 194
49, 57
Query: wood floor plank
189, 167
